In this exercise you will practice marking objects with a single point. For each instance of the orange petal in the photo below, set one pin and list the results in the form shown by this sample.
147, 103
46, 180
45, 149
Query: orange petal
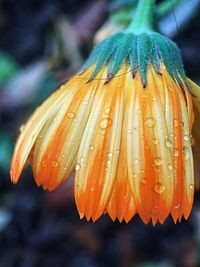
97, 157
56, 150
31, 130
152, 182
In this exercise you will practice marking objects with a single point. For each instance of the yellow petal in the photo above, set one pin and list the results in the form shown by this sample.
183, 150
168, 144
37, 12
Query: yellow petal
194, 88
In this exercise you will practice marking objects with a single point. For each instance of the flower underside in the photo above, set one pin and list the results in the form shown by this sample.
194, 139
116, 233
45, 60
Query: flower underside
140, 51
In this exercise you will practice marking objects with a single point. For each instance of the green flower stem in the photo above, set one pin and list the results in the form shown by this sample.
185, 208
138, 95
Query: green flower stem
143, 19
165, 7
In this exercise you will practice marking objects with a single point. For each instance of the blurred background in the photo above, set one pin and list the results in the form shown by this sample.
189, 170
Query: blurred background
42, 44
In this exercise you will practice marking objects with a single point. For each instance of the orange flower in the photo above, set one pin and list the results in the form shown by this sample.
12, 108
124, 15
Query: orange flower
123, 126
128, 146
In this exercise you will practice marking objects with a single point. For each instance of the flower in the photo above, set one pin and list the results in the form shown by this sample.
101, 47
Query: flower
123, 127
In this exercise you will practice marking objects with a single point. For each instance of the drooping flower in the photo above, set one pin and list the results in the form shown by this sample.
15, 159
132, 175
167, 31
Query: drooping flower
123, 126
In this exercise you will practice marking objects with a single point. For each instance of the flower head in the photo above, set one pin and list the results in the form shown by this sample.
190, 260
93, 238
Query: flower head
123, 127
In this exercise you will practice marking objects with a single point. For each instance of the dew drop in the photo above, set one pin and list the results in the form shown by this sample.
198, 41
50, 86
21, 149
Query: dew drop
77, 167
70, 115
186, 138
136, 161
155, 141
55, 163
168, 143
22, 127
191, 186
170, 167
91, 147
175, 123
44, 163
107, 110
82, 159
176, 207
159, 188
109, 161
150, 122
105, 123
186, 153
158, 161
109, 154
176, 152
92, 189
144, 181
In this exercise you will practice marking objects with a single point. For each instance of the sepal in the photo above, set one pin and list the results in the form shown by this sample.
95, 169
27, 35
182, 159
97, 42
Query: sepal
139, 51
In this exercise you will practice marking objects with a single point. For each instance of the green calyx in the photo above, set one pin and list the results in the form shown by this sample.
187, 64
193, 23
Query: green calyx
139, 51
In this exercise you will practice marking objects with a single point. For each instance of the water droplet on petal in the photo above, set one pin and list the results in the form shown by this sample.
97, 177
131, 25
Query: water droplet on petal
186, 138
170, 167
109, 154
107, 110
176, 153
92, 189
191, 186
91, 147
155, 141
55, 163
186, 153
44, 163
144, 181
77, 167
136, 161
159, 188
150, 122
105, 123
22, 127
158, 161
168, 143
70, 115
109, 161
175, 123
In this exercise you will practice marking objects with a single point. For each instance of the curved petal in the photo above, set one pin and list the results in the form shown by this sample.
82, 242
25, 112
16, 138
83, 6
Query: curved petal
149, 158
121, 204
194, 88
56, 150
196, 138
97, 157
31, 130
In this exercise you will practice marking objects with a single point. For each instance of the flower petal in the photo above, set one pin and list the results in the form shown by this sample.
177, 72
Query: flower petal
56, 151
97, 157
194, 88
152, 182
31, 130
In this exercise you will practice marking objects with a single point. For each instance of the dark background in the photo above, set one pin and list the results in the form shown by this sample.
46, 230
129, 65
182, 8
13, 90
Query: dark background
42, 43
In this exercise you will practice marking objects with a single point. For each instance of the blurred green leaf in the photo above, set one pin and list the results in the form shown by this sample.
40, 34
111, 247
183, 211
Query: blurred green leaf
8, 68
6, 147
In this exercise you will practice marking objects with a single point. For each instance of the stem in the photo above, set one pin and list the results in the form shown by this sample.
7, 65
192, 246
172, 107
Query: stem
165, 7
143, 18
